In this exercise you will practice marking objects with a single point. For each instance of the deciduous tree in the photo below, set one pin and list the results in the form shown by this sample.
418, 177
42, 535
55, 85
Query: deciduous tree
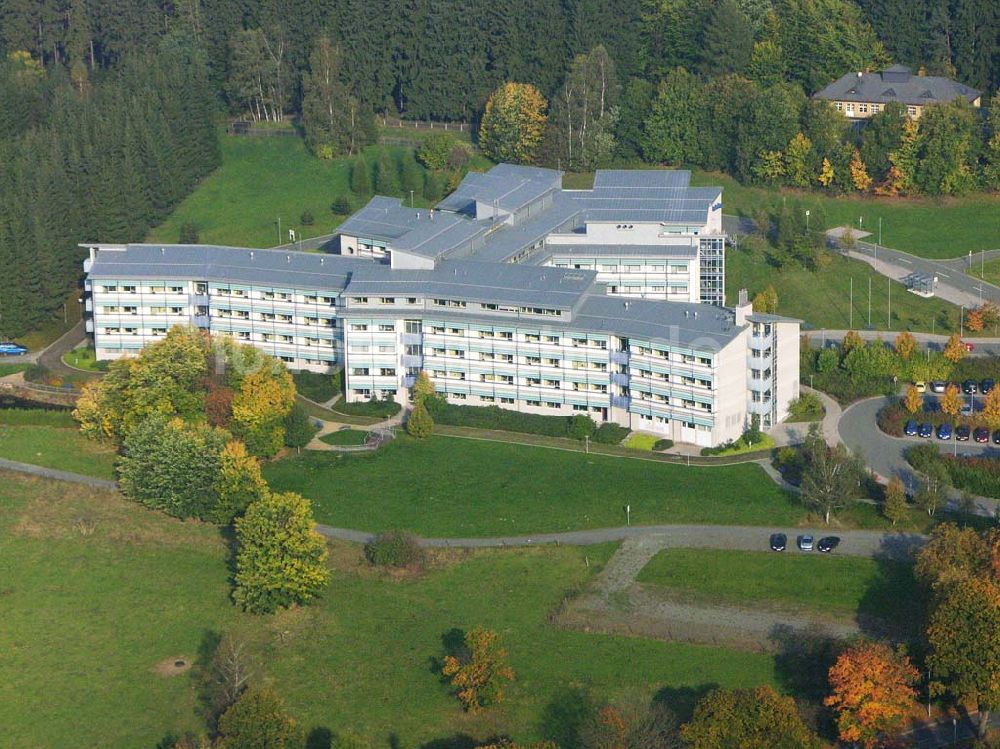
951, 400
513, 123
419, 423
422, 386
991, 408
905, 345
632, 724
749, 719
954, 350
859, 174
852, 340
264, 398
872, 691
238, 484
913, 401
952, 554
280, 558
826, 174
831, 476
964, 637
482, 672
766, 300
894, 507
799, 161
259, 720
974, 320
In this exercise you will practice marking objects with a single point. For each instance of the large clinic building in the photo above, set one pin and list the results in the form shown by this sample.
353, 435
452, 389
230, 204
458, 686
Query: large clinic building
511, 292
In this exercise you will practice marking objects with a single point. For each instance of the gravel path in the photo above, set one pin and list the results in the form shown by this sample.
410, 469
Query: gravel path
51, 473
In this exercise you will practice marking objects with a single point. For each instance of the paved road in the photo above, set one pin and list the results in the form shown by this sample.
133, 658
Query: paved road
954, 283
51, 473
887, 455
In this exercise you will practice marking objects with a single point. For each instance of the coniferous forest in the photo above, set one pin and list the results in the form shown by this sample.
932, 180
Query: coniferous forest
109, 106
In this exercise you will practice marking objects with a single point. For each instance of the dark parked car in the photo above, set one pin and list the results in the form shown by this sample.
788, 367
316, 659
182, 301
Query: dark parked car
926, 430
779, 541
962, 433
944, 431
996, 437
828, 544
805, 543
911, 428
938, 386
969, 387
981, 435
986, 386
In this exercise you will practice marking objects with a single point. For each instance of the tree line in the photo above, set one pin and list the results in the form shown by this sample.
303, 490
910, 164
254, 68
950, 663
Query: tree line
99, 158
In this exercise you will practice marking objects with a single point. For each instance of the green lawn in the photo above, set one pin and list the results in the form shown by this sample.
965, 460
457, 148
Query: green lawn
345, 437
989, 270
819, 583
260, 181
98, 591
63, 448
9, 369
822, 298
84, 358
931, 228
457, 487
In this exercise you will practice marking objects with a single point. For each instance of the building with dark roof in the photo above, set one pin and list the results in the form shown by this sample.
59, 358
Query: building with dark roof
860, 95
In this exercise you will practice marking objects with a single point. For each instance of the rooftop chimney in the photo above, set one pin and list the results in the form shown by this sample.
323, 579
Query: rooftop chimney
744, 308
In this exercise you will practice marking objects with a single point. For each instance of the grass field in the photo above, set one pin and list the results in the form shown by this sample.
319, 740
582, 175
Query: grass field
260, 181
825, 584
98, 592
84, 358
927, 227
7, 368
457, 487
59, 447
822, 298
345, 437
990, 271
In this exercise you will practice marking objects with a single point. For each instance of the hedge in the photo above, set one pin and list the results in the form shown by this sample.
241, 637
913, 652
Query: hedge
969, 473
577, 426
315, 386
379, 408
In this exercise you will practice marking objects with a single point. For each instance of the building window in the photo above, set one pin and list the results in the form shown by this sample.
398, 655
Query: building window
863, 108
912, 111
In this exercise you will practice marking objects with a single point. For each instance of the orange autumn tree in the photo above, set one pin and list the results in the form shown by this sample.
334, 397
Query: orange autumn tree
480, 673
954, 350
872, 692
974, 320
951, 401
905, 344
913, 401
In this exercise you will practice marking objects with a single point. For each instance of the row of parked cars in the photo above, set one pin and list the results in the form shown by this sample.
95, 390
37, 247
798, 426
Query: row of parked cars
969, 387
779, 542
946, 432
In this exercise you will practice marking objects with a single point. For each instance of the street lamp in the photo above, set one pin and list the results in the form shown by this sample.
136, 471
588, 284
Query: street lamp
807, 220
961, 322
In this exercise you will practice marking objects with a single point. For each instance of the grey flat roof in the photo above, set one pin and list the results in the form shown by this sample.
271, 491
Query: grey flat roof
644, 178
625, 250
896, 84
226, 265
504, 283
673, 322
509, 186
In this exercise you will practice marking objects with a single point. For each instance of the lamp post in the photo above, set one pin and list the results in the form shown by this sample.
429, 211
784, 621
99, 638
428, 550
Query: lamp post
411, 198
961, 322
807, 220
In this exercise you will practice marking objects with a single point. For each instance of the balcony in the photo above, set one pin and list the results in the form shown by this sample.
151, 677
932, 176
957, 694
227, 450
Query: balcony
619, 378
620, 401
199, 300
412, 360
412, 338
619, 357
409, 381
201, 321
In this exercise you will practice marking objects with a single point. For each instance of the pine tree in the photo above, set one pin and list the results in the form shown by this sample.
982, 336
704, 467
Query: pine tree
360, 182
386, 175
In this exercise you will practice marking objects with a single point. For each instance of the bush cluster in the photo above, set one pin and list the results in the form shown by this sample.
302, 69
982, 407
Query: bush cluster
395, 549
577, 426
663, 444
315, 386
610, 434
969, 473
382, 409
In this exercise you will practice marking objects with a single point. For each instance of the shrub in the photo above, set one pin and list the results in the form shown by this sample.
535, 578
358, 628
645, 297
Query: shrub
581, 426
341, 205
663, 444
807, 407
395, 549
436, 149
382, 409
315, 386
968, 473
189, 233
299, 428
610, 434
307, 219
419, 424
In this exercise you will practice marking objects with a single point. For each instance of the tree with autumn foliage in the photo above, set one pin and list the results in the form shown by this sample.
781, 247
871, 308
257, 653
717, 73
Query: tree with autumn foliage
964, 639
513, 123
872, 692
826, 174
852, 340
631, 724
264, 398
905, 344
952, 554
859, 174
280, 558
238, 483
481, 672
757, 718
991, 408
951, 401
913, 401
974, 320
990, 313
954, 350
894, 506
766, 300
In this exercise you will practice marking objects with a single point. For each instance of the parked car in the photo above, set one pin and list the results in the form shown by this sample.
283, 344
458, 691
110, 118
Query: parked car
986, 386
962, 433
828, 544
926, 430
981, 435
911, 428
944, 431
968, 346
12, 349
921, 386
778, 541
970, 387
938, 386
996, 437
805, 543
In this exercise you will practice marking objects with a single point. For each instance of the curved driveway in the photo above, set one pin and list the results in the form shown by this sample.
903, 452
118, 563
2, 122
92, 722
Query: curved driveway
886, 455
